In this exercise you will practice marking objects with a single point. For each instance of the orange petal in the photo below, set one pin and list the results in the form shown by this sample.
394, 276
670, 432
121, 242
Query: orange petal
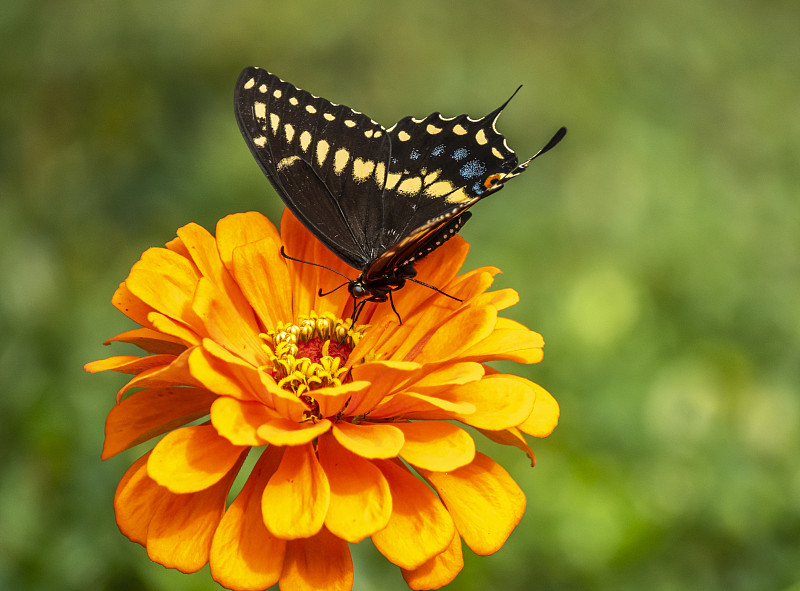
459, 333
361, 503
485, 502
224, 325
129, 363
261, 272
333, 399
384, 376
151, 341
192, 459
238, 421
512, 437
151, 412
165, 281
435, 445
136, 499
499, 300
244, 555
202, 248
130, 305
182, 527
369, 440
320, 562
419, 528
501, 401
451, 374
544, 417
242, 228
173, 328
411, 404
514, 343
296, 498
175, 374
439, 570
281, 431
223, 373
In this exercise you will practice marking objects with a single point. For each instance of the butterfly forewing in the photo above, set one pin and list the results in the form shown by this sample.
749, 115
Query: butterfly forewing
326, 161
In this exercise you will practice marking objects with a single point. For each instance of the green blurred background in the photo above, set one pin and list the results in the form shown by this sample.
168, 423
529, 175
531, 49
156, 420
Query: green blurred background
657, 250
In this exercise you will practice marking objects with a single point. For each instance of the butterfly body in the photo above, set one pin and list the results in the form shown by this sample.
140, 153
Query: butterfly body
380, 199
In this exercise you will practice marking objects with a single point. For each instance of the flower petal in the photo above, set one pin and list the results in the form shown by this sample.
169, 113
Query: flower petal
296, 498
361, 503
136, 499
262, 274
150, 340
484, 501
512, 437
420, 527
176, 373
182, 527
192, 459
439, 570
130, 305
369, 440
280, 431
238, 421
509, 340
242, 228
244, 555
151, 412
435, 445
320, 562
459, 333
129, 363
383, 376
544, 417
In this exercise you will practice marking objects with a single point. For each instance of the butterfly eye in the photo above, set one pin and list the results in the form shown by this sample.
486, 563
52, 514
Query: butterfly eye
491, 181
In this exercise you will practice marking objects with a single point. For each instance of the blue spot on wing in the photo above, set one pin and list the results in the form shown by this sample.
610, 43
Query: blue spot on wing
472, 169
414, 154
477, 188
437, 151
460, 154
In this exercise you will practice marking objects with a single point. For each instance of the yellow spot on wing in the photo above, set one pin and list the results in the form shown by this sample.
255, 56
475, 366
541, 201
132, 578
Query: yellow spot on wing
391, 179
250, 84
322, 151
362, 169
403, 136
311, 109
289, 132
305, 140
262, 89
260, 110
410, 186
350, 123
369, 133
329, 116
378, 133
380, 173
439, 189
459, 196
459, 130
480, 137
260, 141
432, 176
277, 93
432, 129
340, 159
288, 161
274, 120
293, 101
497, 153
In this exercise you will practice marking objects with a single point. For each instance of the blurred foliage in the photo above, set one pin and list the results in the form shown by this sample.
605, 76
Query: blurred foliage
657, 249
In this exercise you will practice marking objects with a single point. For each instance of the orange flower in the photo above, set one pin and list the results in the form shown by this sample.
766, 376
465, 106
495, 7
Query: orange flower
336, 414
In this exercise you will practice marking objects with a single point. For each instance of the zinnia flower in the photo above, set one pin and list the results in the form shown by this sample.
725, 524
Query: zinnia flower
352, 430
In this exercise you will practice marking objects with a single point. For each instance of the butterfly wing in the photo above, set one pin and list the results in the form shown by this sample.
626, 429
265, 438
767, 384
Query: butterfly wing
326, 161
439, 168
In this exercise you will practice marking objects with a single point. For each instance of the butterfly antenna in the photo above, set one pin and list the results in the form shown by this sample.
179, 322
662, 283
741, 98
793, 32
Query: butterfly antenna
286, 256
327, 293
391, 301
434, 289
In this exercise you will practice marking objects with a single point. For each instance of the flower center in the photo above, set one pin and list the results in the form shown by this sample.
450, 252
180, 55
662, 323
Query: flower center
310, 353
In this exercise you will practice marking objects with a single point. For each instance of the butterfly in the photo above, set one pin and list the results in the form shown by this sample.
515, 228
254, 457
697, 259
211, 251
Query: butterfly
380, 199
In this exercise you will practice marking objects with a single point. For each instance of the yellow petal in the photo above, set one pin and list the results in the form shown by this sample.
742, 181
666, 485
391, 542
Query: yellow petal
296, 498
412, 405
544, 417
151, 412
282, 431
320, 562
182, 527
459, 333
191, 459
361, 503
439, 570
514, 344
419, 528
369, 440
435, 445
244, 555
238, 421
484, 501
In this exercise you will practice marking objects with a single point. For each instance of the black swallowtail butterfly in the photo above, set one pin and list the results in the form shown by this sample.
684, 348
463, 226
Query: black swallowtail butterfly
379, 199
